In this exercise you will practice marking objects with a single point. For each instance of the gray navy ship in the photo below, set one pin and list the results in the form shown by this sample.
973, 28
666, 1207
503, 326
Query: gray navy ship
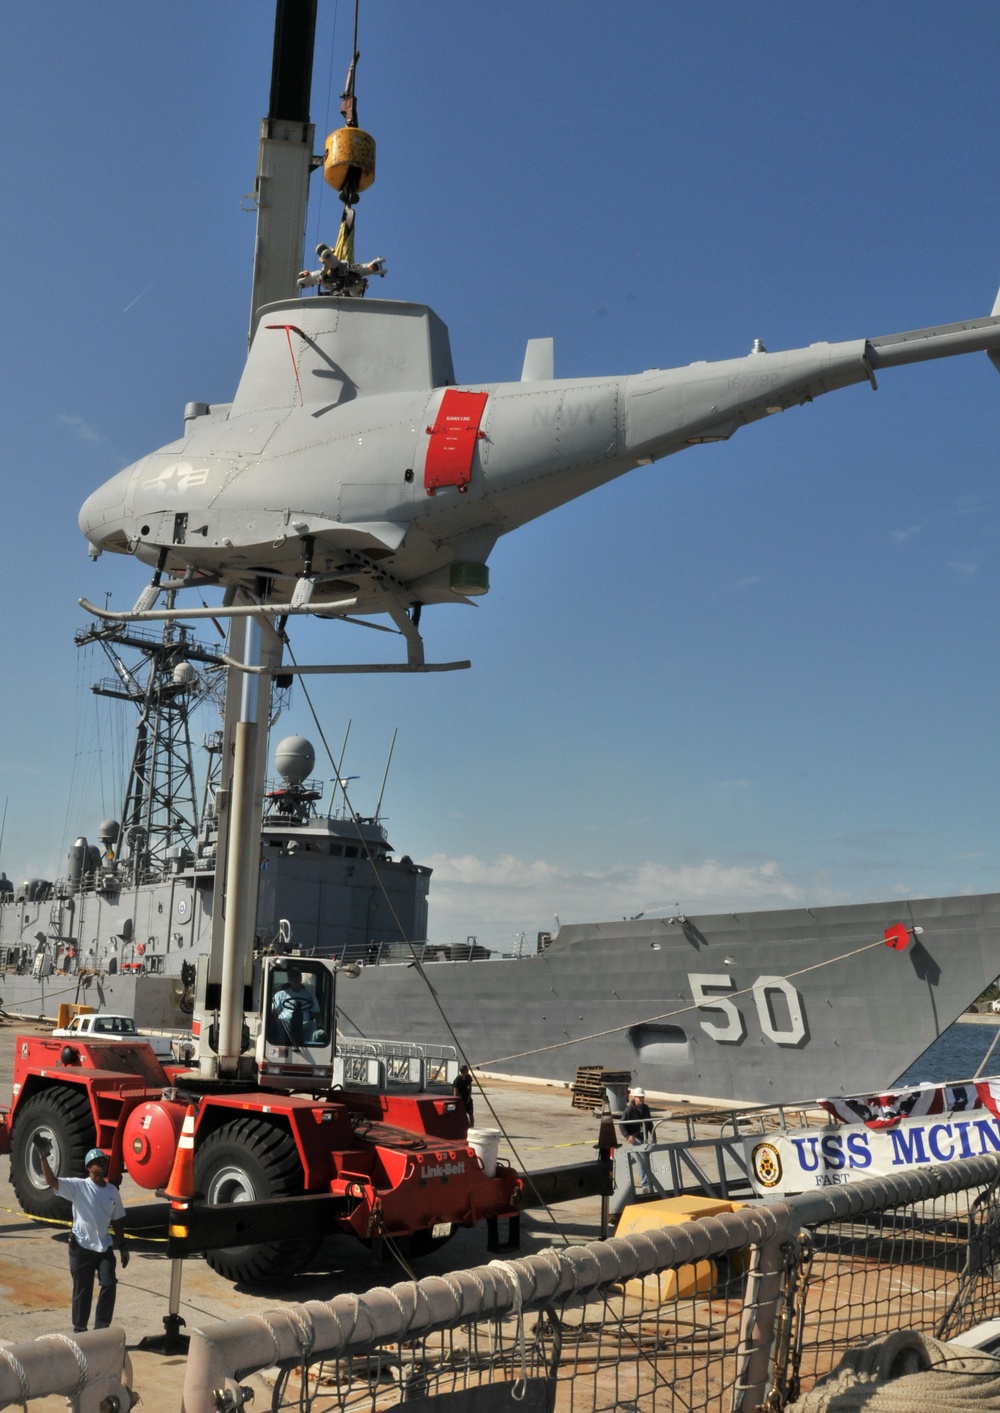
758, 1006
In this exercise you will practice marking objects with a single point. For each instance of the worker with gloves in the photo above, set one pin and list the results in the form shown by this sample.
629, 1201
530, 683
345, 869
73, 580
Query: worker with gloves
98, 1212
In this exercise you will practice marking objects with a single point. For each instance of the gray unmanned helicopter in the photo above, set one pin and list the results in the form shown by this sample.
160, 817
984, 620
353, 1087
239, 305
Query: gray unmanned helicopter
351, 475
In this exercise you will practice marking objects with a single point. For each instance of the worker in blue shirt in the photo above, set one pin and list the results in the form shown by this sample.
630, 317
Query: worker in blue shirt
98, 1212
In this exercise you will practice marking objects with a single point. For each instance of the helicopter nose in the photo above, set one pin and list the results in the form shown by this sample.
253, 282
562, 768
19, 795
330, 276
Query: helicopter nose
102, 514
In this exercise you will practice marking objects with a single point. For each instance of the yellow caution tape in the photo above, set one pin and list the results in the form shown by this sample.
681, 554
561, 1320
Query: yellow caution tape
547, 1147
61, 1222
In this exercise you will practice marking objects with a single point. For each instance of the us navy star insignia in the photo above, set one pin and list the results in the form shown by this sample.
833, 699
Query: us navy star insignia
176, 479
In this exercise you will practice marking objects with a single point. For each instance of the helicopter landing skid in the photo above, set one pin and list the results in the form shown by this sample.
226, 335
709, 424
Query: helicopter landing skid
405, 626
243, 610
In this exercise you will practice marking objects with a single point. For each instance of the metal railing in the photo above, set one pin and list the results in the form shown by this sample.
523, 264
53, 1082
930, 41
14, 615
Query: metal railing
712, 1162
394, 1064
747, 1308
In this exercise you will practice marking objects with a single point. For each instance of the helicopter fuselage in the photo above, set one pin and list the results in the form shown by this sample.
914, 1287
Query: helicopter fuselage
350, 456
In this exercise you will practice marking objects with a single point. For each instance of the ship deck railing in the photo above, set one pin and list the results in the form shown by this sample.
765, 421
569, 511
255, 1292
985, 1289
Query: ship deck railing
401, 953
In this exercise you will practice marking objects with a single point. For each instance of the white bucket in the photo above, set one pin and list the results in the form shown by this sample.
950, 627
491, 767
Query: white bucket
485, 1143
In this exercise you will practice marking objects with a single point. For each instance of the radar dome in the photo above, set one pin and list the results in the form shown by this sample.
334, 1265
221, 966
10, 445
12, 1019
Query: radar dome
108, 831
294, 759
184, 674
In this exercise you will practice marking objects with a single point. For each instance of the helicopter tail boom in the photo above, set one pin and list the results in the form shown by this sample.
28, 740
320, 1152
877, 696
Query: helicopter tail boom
941, 341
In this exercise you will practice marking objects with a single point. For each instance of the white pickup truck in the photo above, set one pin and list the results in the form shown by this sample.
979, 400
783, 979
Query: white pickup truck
108, 1027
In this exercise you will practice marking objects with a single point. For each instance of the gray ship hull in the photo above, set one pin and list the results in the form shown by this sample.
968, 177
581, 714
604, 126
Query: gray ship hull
759, 1007
794, 1004
153, 1001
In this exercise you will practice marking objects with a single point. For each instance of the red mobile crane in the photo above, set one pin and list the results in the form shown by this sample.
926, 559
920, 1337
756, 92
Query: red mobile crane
375, 1163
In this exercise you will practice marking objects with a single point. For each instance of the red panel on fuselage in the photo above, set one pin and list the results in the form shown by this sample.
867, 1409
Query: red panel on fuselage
453, 440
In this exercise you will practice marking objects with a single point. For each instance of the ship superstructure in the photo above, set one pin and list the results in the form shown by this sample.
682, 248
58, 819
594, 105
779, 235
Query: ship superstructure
133, 911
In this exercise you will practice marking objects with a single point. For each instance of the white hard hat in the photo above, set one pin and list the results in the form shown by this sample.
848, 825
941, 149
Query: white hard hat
639, 1093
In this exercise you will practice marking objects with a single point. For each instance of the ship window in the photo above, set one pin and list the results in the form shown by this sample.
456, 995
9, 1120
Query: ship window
336, 850
351, 851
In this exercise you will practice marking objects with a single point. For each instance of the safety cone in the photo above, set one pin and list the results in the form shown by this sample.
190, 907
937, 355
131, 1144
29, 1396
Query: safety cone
607, 1142
180, 1184
607, 1138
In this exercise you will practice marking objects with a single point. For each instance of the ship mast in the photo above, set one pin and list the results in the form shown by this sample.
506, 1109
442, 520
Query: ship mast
160, 814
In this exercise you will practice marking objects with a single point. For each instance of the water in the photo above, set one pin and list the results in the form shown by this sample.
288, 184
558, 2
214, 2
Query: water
957, 1054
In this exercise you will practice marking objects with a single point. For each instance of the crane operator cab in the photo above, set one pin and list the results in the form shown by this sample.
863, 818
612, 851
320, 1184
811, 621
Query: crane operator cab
297, 1031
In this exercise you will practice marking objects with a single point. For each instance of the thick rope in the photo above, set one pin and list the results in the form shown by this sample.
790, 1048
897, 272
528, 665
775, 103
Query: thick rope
344, 248
512, 1279
908, 1372
81, 1366
20, 1374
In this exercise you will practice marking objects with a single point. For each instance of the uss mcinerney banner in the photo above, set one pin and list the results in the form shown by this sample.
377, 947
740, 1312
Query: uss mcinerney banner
798, 1160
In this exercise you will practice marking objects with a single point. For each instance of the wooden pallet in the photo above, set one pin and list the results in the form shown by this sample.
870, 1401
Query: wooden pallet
590, 1085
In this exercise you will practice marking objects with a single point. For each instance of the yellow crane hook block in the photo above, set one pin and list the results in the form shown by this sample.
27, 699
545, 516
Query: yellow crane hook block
347, 149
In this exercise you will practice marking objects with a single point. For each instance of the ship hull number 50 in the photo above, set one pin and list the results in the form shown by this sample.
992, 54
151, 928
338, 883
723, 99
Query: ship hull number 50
732, 1027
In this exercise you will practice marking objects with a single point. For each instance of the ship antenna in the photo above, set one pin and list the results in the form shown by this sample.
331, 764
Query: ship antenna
385, 776
339, 781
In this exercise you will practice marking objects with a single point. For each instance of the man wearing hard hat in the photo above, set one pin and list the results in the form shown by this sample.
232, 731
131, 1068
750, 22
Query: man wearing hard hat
637, 1130
98, 1211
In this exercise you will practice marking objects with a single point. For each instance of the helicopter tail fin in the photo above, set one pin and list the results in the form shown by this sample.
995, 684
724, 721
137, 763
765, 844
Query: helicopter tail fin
539, 360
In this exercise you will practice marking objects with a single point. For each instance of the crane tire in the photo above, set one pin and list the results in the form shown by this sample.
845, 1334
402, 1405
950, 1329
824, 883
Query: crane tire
249, 1160
63, 1115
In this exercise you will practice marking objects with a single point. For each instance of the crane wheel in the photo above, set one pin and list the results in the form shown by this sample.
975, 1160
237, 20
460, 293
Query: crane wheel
63, 1116
249, 1160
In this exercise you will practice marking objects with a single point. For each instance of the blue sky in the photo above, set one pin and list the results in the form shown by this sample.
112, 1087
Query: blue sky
759, 673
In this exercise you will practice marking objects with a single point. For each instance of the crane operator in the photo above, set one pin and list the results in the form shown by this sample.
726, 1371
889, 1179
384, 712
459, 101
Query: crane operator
296, 1009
